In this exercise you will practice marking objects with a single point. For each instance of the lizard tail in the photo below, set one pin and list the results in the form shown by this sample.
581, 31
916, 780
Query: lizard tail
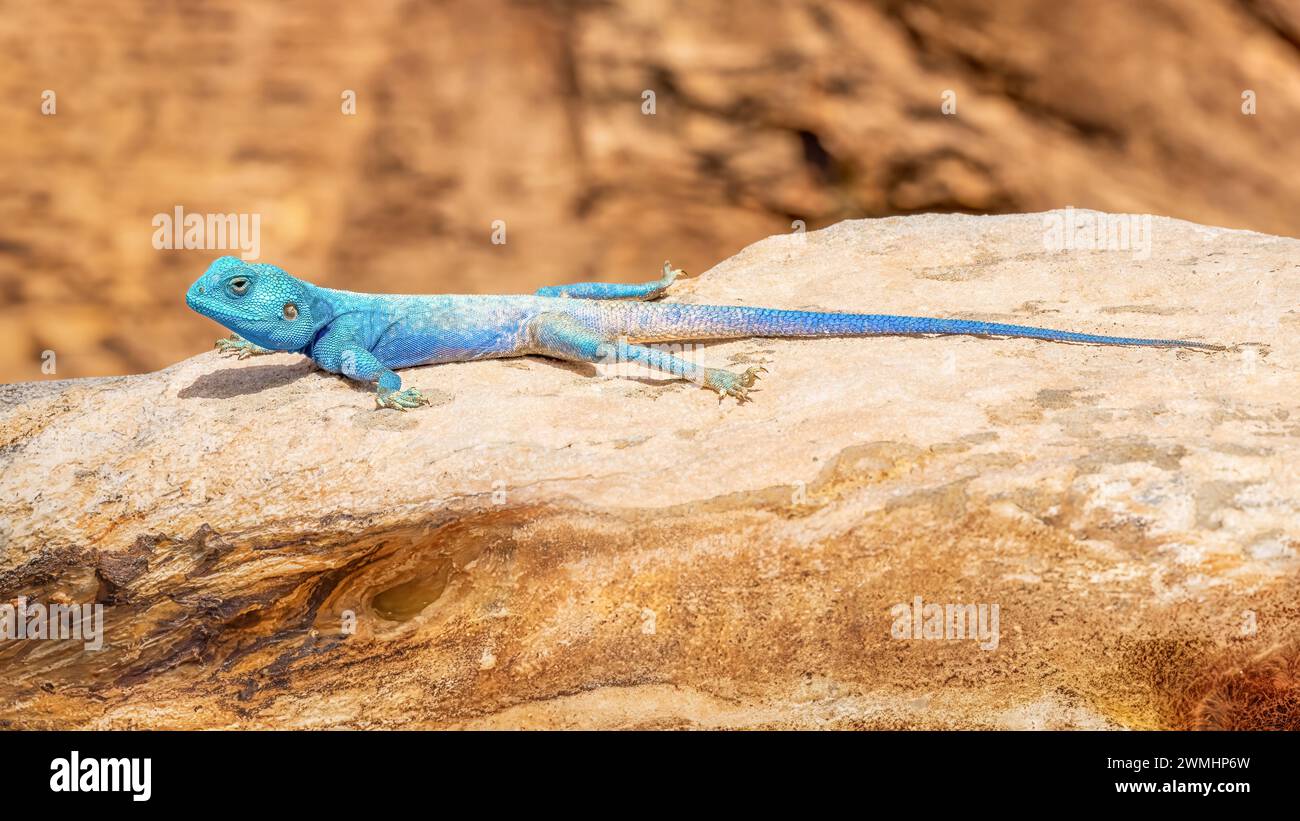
678, 321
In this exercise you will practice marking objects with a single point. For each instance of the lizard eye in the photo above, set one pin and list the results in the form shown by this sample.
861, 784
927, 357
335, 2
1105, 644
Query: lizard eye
290, 311
238, 286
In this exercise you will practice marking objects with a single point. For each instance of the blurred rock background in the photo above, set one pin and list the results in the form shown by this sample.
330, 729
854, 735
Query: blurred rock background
766, 112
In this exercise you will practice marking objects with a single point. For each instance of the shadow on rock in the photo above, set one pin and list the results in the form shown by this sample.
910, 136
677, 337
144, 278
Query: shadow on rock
229, 382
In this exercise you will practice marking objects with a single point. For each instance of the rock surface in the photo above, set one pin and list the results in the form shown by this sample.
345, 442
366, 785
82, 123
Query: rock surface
472, 111
555, 546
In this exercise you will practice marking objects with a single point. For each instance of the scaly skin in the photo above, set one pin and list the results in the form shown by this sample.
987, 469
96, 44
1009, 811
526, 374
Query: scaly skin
367, 337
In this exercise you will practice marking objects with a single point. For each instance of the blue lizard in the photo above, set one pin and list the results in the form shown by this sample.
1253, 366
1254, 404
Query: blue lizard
367, 336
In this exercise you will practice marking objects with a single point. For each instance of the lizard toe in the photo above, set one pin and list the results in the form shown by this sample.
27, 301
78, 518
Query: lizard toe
727, 383
401, 400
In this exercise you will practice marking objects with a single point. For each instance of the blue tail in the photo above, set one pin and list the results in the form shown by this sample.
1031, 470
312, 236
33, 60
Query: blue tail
681, 321
925, 325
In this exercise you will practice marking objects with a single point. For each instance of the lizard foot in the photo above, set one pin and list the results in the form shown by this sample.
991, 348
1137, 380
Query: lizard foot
241, 348
727, 383
400, 400
671, 274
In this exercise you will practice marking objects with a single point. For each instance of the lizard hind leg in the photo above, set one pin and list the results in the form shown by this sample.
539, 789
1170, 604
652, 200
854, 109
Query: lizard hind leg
644, 291
564, 337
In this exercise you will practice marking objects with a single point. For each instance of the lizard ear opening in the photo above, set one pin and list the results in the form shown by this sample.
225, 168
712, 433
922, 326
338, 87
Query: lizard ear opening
290, 311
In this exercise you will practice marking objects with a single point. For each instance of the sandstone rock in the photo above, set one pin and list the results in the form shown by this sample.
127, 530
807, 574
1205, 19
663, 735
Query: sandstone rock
548, 546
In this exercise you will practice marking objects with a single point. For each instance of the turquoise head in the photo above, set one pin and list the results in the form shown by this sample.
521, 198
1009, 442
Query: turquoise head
260, 302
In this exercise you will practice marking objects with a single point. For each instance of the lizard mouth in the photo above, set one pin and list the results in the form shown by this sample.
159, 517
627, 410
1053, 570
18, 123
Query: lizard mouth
214, 310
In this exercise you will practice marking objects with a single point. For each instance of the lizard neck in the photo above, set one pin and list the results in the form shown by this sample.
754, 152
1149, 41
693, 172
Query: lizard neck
323, 312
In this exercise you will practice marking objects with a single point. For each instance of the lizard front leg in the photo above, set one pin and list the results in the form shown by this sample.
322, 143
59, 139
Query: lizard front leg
360, 364
644, 291
240, 347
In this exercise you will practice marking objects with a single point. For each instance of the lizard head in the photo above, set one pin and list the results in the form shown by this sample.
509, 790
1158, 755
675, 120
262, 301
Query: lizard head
260, 302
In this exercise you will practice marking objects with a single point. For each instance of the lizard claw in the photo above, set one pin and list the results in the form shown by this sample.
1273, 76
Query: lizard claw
727, 383
400, 400
241, 348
